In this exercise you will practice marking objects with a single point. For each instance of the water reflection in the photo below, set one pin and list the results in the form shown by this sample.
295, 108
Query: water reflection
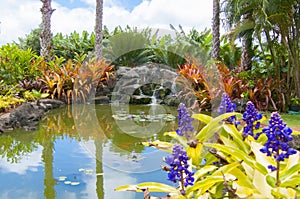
75, 139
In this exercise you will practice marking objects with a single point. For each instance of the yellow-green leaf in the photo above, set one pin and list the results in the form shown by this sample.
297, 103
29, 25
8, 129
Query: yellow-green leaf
209, 130
202, 117
233, 152
237, 136
290, 172
260, 182
181, 139
291, 182
284, 193
204, 170
295, 132
271, 181
195, 153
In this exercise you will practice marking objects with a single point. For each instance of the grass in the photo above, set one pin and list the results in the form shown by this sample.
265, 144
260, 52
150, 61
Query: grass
293, 121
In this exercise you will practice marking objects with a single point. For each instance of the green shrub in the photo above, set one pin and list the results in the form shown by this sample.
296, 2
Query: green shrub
17, 65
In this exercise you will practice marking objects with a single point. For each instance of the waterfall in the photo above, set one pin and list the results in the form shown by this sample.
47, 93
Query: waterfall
156, 94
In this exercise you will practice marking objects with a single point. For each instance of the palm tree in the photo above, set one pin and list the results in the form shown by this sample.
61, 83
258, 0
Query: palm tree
247, 52
239, 18
47, 157
216, 30
98, 28
46, 29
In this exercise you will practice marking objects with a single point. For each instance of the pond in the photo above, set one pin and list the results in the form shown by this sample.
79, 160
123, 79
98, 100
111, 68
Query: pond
85, 151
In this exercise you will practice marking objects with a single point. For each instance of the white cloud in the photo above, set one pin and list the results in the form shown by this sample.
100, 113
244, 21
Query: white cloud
30, 162
18, 19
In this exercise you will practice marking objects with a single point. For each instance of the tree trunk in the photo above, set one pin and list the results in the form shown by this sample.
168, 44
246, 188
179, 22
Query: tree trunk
98, 28
216, 30
247, 52
46, 29
47, 158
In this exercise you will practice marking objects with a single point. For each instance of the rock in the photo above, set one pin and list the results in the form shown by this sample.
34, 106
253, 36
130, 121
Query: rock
171, 101
136, 99
101, 100
146, 81
27, 115
51, 103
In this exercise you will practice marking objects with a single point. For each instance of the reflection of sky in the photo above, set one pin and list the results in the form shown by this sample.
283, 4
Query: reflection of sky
23, 179
68, 159
29, 162
26, 179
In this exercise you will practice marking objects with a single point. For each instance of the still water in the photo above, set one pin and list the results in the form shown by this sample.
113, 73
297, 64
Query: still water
85, 151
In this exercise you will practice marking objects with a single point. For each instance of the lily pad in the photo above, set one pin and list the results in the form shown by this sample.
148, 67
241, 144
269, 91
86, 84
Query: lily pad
89, 171
62, 178
67, 182
75, 183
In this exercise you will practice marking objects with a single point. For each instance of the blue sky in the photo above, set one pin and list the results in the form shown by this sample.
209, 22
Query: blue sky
18, 17
127, 4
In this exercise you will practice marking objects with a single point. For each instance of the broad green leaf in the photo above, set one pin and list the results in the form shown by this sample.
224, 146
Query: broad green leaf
195, 154
249, 171
291, 161
151, 186
261, 158
205, 184
209, 182
203, 118
244, 192
242, 179
271, 181
291, 182
227, 168
243, 184
44, 95
237, 136
204, 170
233, 152
289, 173
260, 182
284, 193
181, 139
210, 129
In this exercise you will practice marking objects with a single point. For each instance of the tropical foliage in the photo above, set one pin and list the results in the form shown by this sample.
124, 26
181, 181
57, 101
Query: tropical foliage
246, 160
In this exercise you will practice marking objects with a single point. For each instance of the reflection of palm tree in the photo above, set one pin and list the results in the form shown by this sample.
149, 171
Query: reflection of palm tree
47, 158
99, 169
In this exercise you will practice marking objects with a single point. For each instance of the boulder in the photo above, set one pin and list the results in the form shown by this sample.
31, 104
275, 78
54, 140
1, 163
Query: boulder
27, 115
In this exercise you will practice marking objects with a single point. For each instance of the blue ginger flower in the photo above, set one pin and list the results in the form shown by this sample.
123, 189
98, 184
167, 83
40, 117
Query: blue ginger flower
184, 121
227, 106
178, 171
279, 135
251, 117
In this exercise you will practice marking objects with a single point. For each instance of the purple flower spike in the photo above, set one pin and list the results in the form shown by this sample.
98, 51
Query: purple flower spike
278, 137
227, 106
251, 116
184, 121
179, 167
